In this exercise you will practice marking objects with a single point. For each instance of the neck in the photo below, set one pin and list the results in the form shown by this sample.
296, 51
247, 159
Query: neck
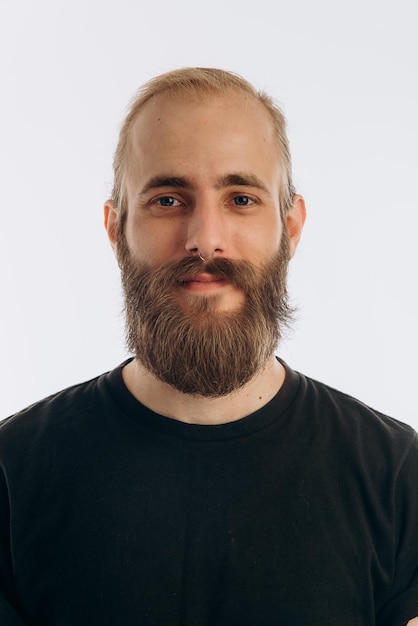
165, 400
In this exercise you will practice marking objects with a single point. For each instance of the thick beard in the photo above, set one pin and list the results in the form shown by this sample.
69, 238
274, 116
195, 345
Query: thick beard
204, 352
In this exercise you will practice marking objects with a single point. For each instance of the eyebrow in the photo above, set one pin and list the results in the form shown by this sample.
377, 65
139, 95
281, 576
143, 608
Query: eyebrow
239, 179
166, 181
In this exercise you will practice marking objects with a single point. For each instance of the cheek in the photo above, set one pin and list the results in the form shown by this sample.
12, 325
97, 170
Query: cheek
260, 240
154, 241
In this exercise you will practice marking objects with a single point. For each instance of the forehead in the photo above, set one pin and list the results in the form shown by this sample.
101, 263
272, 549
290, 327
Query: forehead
208, 133
169, 113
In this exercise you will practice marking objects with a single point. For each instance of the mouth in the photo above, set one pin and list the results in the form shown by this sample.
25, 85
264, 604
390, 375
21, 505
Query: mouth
204, 283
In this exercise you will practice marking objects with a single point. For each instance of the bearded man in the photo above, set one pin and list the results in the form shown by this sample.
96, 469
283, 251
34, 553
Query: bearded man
204, 482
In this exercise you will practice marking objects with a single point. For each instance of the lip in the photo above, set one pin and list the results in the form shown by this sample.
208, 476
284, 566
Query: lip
204, 283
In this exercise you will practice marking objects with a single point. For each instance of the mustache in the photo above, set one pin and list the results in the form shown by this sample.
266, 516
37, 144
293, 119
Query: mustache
240, 274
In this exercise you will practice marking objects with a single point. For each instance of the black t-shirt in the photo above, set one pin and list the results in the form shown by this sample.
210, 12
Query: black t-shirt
304, 513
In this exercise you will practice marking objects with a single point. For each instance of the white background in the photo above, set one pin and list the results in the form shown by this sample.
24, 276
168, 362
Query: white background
346, 74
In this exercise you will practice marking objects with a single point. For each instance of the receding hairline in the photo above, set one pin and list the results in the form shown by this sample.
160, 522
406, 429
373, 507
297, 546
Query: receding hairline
193, 81
167, 100
197, 85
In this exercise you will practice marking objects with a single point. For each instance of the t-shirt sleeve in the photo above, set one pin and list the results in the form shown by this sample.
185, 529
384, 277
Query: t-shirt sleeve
9, 612
402, 605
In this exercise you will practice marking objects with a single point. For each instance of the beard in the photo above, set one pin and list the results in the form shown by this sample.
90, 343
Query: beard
198, 349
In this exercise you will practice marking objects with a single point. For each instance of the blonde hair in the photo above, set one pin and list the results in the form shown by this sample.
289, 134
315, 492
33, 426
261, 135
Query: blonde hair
199, 82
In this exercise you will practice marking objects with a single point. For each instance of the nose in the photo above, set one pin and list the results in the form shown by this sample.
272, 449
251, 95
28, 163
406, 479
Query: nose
206, 231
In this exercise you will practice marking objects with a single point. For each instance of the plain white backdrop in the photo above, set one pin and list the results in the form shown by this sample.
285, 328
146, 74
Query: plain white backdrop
346, 75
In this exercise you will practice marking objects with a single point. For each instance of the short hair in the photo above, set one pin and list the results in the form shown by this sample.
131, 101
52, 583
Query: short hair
199, 82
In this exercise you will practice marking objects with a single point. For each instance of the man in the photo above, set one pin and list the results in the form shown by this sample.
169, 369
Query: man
203, 482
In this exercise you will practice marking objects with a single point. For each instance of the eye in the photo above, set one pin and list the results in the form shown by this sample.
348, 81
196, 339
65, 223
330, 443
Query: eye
167, 201
243, 201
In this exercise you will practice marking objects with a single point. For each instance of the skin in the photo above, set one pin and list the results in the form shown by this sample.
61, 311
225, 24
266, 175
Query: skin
224, 201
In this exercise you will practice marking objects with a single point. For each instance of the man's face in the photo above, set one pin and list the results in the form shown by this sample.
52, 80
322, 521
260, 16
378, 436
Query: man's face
203, 179
203, 176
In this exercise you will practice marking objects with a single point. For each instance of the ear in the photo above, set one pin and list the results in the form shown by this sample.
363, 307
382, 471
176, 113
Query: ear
295, 220
110, 222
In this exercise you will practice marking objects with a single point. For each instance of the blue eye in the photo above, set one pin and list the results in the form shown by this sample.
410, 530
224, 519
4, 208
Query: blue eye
242, 200
168, 201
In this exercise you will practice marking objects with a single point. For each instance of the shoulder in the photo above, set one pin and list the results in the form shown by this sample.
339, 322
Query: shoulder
327, 400
342, 418
53, 417
69, 396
